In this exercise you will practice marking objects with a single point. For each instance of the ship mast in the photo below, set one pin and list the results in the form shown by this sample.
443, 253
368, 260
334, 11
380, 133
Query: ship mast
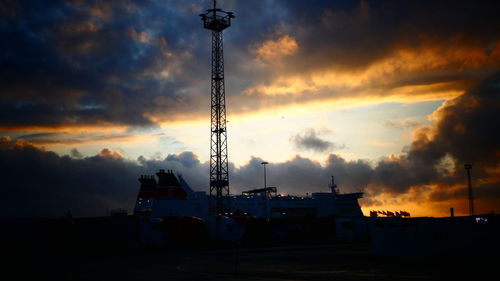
333, 186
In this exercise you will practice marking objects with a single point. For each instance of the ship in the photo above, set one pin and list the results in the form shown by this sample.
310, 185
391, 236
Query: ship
169, 195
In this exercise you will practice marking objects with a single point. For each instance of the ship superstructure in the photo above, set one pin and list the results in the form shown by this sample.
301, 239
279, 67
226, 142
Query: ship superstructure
171, 196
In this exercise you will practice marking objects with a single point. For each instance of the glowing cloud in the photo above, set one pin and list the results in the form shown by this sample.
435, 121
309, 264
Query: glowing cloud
276, 49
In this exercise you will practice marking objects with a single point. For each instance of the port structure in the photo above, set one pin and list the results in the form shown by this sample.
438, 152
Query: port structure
217, 20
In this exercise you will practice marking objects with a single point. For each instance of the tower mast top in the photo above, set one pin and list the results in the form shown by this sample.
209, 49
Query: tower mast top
216, 19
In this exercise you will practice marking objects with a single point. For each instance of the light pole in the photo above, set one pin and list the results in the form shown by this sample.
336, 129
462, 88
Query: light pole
471, 197
264, 164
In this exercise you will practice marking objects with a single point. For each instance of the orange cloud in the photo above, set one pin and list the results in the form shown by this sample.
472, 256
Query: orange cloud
431, 200
7, 142
110, 154
432, 72
80, 27
69, 128
387, 76
142, 36
276, 49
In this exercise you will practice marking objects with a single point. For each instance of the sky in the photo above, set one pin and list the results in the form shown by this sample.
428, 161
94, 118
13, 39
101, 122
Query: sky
391, 97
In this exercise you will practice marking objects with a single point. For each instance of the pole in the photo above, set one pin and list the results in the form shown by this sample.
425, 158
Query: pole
264, 164
265, 184
468, 167
265, 191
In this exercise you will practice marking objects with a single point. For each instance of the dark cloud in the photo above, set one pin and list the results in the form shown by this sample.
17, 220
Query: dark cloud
75, 153
91, 63
66, 138
187, 159
466, 128
296, 176
101, 63
359, 33
124, 62
9, 8
311, 141
42, 183
465, 132
446, 44
487, 192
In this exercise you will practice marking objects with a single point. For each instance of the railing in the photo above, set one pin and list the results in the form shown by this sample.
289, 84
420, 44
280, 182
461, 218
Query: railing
216, 22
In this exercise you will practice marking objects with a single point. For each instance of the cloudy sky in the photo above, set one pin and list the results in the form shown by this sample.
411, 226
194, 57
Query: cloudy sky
392, 97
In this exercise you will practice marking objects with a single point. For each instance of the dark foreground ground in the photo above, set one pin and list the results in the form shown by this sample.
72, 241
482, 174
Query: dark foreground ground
327, 262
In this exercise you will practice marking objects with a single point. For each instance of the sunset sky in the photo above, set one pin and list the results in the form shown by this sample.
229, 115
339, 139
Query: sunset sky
392, 97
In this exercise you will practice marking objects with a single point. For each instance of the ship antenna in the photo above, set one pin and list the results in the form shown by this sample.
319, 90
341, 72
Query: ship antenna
333, 186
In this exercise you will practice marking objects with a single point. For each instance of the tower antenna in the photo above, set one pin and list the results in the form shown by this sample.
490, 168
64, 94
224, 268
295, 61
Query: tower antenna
217, 20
